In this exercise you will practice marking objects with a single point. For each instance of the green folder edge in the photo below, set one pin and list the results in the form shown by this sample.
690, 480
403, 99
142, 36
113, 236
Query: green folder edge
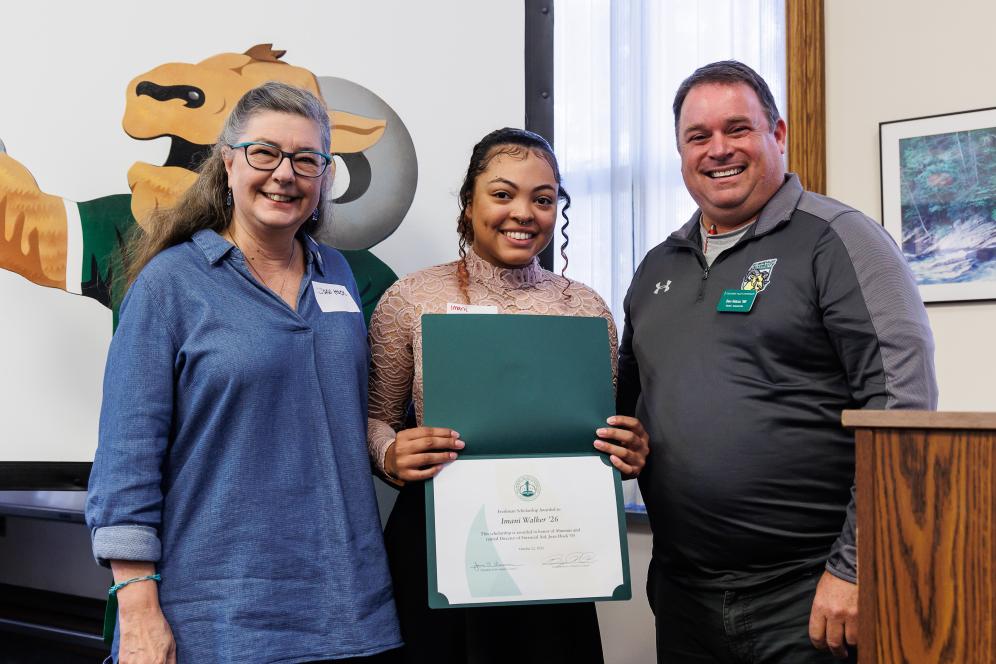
438, 600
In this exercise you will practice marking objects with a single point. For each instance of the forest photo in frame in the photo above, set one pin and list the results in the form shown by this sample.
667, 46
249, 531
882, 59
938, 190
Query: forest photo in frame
939, 201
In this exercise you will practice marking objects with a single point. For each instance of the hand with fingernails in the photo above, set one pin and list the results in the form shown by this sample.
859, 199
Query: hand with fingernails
627, 444
420, 453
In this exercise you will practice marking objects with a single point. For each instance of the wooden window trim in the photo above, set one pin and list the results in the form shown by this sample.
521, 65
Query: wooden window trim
805, 64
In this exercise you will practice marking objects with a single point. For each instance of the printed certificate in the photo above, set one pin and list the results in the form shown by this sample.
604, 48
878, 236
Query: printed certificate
536, 529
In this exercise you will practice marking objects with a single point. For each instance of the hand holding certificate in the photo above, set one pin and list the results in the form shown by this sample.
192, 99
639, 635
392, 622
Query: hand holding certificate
530, 512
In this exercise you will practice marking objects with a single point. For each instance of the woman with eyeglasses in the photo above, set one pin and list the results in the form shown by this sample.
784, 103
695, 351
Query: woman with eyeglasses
231, 493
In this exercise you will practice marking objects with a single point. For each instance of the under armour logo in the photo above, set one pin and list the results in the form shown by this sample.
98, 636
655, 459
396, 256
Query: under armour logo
666, 287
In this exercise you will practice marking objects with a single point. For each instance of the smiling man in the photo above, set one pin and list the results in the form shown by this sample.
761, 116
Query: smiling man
784, 308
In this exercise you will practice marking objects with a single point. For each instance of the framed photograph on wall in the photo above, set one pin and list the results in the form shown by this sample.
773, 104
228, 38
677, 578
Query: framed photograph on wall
939, 201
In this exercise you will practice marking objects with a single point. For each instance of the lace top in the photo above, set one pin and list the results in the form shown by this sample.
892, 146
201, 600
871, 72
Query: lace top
396, 328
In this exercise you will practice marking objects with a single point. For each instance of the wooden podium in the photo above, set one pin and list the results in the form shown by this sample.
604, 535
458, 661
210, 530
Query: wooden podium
926, 486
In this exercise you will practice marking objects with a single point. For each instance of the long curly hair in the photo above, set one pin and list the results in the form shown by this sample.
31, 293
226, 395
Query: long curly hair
516, 143
203, 204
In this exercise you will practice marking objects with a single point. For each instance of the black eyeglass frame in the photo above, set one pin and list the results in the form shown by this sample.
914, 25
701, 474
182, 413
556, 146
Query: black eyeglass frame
283, 155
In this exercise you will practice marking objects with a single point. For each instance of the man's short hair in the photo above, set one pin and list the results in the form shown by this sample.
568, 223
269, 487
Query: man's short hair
727, 72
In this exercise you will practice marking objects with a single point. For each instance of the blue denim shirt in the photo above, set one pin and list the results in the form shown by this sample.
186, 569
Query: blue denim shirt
232, 453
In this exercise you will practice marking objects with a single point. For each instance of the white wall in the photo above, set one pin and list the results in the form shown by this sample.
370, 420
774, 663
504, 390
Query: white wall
452, 70
895, 59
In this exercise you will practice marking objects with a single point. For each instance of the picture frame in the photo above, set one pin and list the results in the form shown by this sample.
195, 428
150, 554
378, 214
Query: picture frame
938, 179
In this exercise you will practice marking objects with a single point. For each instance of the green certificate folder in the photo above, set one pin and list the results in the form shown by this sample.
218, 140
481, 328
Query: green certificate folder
531, 512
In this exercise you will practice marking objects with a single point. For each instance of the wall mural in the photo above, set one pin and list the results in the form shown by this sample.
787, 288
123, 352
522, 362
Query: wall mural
76, 246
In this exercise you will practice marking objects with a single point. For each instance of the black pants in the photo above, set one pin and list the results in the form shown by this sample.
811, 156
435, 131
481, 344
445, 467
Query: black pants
764, 624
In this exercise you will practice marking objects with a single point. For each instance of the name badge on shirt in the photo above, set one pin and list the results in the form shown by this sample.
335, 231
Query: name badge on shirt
453, 308
736, 301
333, 297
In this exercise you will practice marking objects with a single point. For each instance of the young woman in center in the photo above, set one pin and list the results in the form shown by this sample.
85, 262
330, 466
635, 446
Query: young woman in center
508, 212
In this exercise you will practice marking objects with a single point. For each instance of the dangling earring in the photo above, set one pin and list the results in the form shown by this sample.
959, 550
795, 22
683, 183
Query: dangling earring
314, 215
228, 198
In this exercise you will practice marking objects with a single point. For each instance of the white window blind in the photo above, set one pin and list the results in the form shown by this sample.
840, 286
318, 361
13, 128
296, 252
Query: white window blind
617, 65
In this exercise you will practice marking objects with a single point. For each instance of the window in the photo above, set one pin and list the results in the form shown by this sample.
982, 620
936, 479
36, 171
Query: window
617, 65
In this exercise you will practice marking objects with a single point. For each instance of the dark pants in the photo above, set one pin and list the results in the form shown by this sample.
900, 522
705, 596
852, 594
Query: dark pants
767, 623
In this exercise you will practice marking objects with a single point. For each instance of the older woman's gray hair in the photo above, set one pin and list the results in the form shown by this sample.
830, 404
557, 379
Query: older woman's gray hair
203, 204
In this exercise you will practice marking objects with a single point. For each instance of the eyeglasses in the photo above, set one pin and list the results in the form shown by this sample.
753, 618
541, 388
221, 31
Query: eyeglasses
266, 157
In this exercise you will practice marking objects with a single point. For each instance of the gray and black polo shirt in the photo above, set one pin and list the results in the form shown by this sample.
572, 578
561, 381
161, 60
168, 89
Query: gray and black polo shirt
740, 371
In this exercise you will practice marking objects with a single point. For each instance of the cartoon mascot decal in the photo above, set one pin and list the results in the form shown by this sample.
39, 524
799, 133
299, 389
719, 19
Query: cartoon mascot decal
76, 246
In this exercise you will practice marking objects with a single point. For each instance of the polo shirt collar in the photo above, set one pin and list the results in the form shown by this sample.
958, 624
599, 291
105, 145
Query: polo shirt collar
779, 208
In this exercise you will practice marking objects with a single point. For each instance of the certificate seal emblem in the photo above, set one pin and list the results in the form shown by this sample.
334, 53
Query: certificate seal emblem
527, 488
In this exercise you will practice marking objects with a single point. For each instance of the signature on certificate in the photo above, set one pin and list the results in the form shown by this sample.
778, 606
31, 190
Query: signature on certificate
574, 559
493, 566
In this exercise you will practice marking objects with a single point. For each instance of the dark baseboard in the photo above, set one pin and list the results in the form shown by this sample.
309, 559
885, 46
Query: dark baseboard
44, 475
43, 626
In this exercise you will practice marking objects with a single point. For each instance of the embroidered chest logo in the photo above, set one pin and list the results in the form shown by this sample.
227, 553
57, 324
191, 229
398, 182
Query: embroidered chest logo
662, 287
759, 275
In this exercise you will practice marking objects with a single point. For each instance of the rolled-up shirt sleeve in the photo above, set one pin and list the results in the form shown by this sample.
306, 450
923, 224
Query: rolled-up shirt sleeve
124, 503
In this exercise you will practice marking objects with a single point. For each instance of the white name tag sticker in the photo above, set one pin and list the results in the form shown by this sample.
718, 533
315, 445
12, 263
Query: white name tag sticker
453, 308
333, 297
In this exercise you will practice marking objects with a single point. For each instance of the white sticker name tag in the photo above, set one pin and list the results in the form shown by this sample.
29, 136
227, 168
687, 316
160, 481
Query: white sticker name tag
333, 297
453, 308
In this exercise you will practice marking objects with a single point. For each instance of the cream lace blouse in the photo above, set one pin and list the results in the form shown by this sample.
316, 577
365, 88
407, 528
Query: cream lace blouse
396, 328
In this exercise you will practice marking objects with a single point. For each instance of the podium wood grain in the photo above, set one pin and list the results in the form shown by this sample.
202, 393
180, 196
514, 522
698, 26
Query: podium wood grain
926, 537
